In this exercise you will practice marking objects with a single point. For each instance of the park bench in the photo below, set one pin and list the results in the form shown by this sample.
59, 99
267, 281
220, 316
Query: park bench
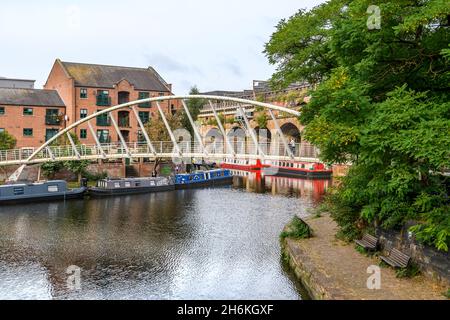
396, 259
368, 242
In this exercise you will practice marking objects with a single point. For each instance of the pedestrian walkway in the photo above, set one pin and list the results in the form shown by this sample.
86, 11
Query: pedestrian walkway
333, 269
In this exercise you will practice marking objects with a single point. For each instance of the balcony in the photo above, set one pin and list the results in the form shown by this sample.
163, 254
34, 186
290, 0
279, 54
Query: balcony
52, 120
103, 121
103, 101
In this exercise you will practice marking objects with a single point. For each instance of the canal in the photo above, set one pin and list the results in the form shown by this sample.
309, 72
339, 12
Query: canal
217, 243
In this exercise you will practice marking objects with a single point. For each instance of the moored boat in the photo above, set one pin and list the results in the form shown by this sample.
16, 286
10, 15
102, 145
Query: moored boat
123, 186
242, 164
38, 191
290, 168
206, 178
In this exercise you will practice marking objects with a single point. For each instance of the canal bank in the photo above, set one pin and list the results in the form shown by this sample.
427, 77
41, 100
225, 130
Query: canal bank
332, 269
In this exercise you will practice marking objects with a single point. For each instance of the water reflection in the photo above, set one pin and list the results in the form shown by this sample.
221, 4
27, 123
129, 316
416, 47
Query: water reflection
217, 243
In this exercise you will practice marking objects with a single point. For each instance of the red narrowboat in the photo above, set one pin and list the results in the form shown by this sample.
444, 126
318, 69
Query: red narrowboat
290, 168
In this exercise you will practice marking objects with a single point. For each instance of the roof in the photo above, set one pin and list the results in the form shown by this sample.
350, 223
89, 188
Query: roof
104, 76
14, 79
30, 97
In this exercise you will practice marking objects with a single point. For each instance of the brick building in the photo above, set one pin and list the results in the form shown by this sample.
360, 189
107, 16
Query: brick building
88, 88
32, 116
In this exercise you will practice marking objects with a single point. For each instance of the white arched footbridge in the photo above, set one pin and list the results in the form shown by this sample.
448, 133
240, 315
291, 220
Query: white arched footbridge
219, 149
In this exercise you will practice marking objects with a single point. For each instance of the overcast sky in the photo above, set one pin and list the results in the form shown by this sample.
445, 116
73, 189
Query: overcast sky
213, 44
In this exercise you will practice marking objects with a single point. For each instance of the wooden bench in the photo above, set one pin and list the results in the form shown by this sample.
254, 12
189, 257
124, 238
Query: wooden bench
368, 242
396, 258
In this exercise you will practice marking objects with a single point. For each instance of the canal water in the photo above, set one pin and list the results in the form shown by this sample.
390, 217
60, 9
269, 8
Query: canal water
217, 243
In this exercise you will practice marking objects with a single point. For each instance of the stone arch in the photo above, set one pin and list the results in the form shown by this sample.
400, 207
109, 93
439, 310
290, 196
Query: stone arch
290, 131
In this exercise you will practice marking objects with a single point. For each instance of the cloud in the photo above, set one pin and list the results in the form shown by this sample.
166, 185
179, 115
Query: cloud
168, 64
233, 68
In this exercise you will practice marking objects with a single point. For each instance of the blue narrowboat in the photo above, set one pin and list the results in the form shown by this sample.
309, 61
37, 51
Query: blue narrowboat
207, 178
38, 191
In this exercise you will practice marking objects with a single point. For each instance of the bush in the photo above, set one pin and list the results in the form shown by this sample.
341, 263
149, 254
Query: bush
411, 271
296, 229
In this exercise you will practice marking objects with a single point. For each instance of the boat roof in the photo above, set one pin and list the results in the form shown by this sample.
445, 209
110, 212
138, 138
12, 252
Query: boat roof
22, 184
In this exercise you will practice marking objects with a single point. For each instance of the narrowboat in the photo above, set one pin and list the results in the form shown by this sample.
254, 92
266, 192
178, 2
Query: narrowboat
203, 179
124, 186
290, 168
38, 191
242, 164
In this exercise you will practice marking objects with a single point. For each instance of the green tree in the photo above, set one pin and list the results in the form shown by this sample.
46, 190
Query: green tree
7, 141
194, 107
382, 104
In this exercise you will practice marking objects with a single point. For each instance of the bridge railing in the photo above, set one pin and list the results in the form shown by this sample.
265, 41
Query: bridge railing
161, 148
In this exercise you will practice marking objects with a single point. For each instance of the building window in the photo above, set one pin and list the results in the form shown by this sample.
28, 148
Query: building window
27, 111
83, 133
83, 113
173, 110
144, 95
50, 133
2, 130
144, 116
103, 136
52, 117
103, 119
2, 111
161, 94
103, 98
28, 132
83, 93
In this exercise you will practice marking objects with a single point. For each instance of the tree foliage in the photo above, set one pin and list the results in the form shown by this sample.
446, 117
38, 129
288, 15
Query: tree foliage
7, 141
194, 107
382, 104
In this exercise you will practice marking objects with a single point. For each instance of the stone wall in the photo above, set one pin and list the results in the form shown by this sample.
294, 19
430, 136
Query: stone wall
433, 263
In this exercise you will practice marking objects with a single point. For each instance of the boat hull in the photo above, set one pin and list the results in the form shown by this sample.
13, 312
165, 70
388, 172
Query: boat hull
288, 172
101, 192
205, 183
71, 194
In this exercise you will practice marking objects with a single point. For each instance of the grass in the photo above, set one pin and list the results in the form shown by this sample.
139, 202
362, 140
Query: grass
76, 184
447, 294
296, 229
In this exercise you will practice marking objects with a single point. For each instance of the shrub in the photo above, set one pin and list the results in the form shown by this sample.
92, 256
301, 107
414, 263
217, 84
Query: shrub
297, 229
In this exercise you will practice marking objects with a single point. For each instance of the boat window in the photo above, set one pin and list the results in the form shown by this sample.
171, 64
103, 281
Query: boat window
116, 184
303, 166
52, 188
18, 191
138, 184
127, 184
152, 183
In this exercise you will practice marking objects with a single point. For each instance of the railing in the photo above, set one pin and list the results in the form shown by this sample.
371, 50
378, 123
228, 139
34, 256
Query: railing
103, 101
214, 150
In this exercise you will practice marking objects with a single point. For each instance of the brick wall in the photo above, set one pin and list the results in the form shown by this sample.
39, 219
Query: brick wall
14, 121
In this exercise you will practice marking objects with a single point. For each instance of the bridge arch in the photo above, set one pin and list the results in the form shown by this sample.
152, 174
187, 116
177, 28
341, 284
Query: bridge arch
129, 149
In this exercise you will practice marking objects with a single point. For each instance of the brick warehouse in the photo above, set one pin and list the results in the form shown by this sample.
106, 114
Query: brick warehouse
88, 88
32, 116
